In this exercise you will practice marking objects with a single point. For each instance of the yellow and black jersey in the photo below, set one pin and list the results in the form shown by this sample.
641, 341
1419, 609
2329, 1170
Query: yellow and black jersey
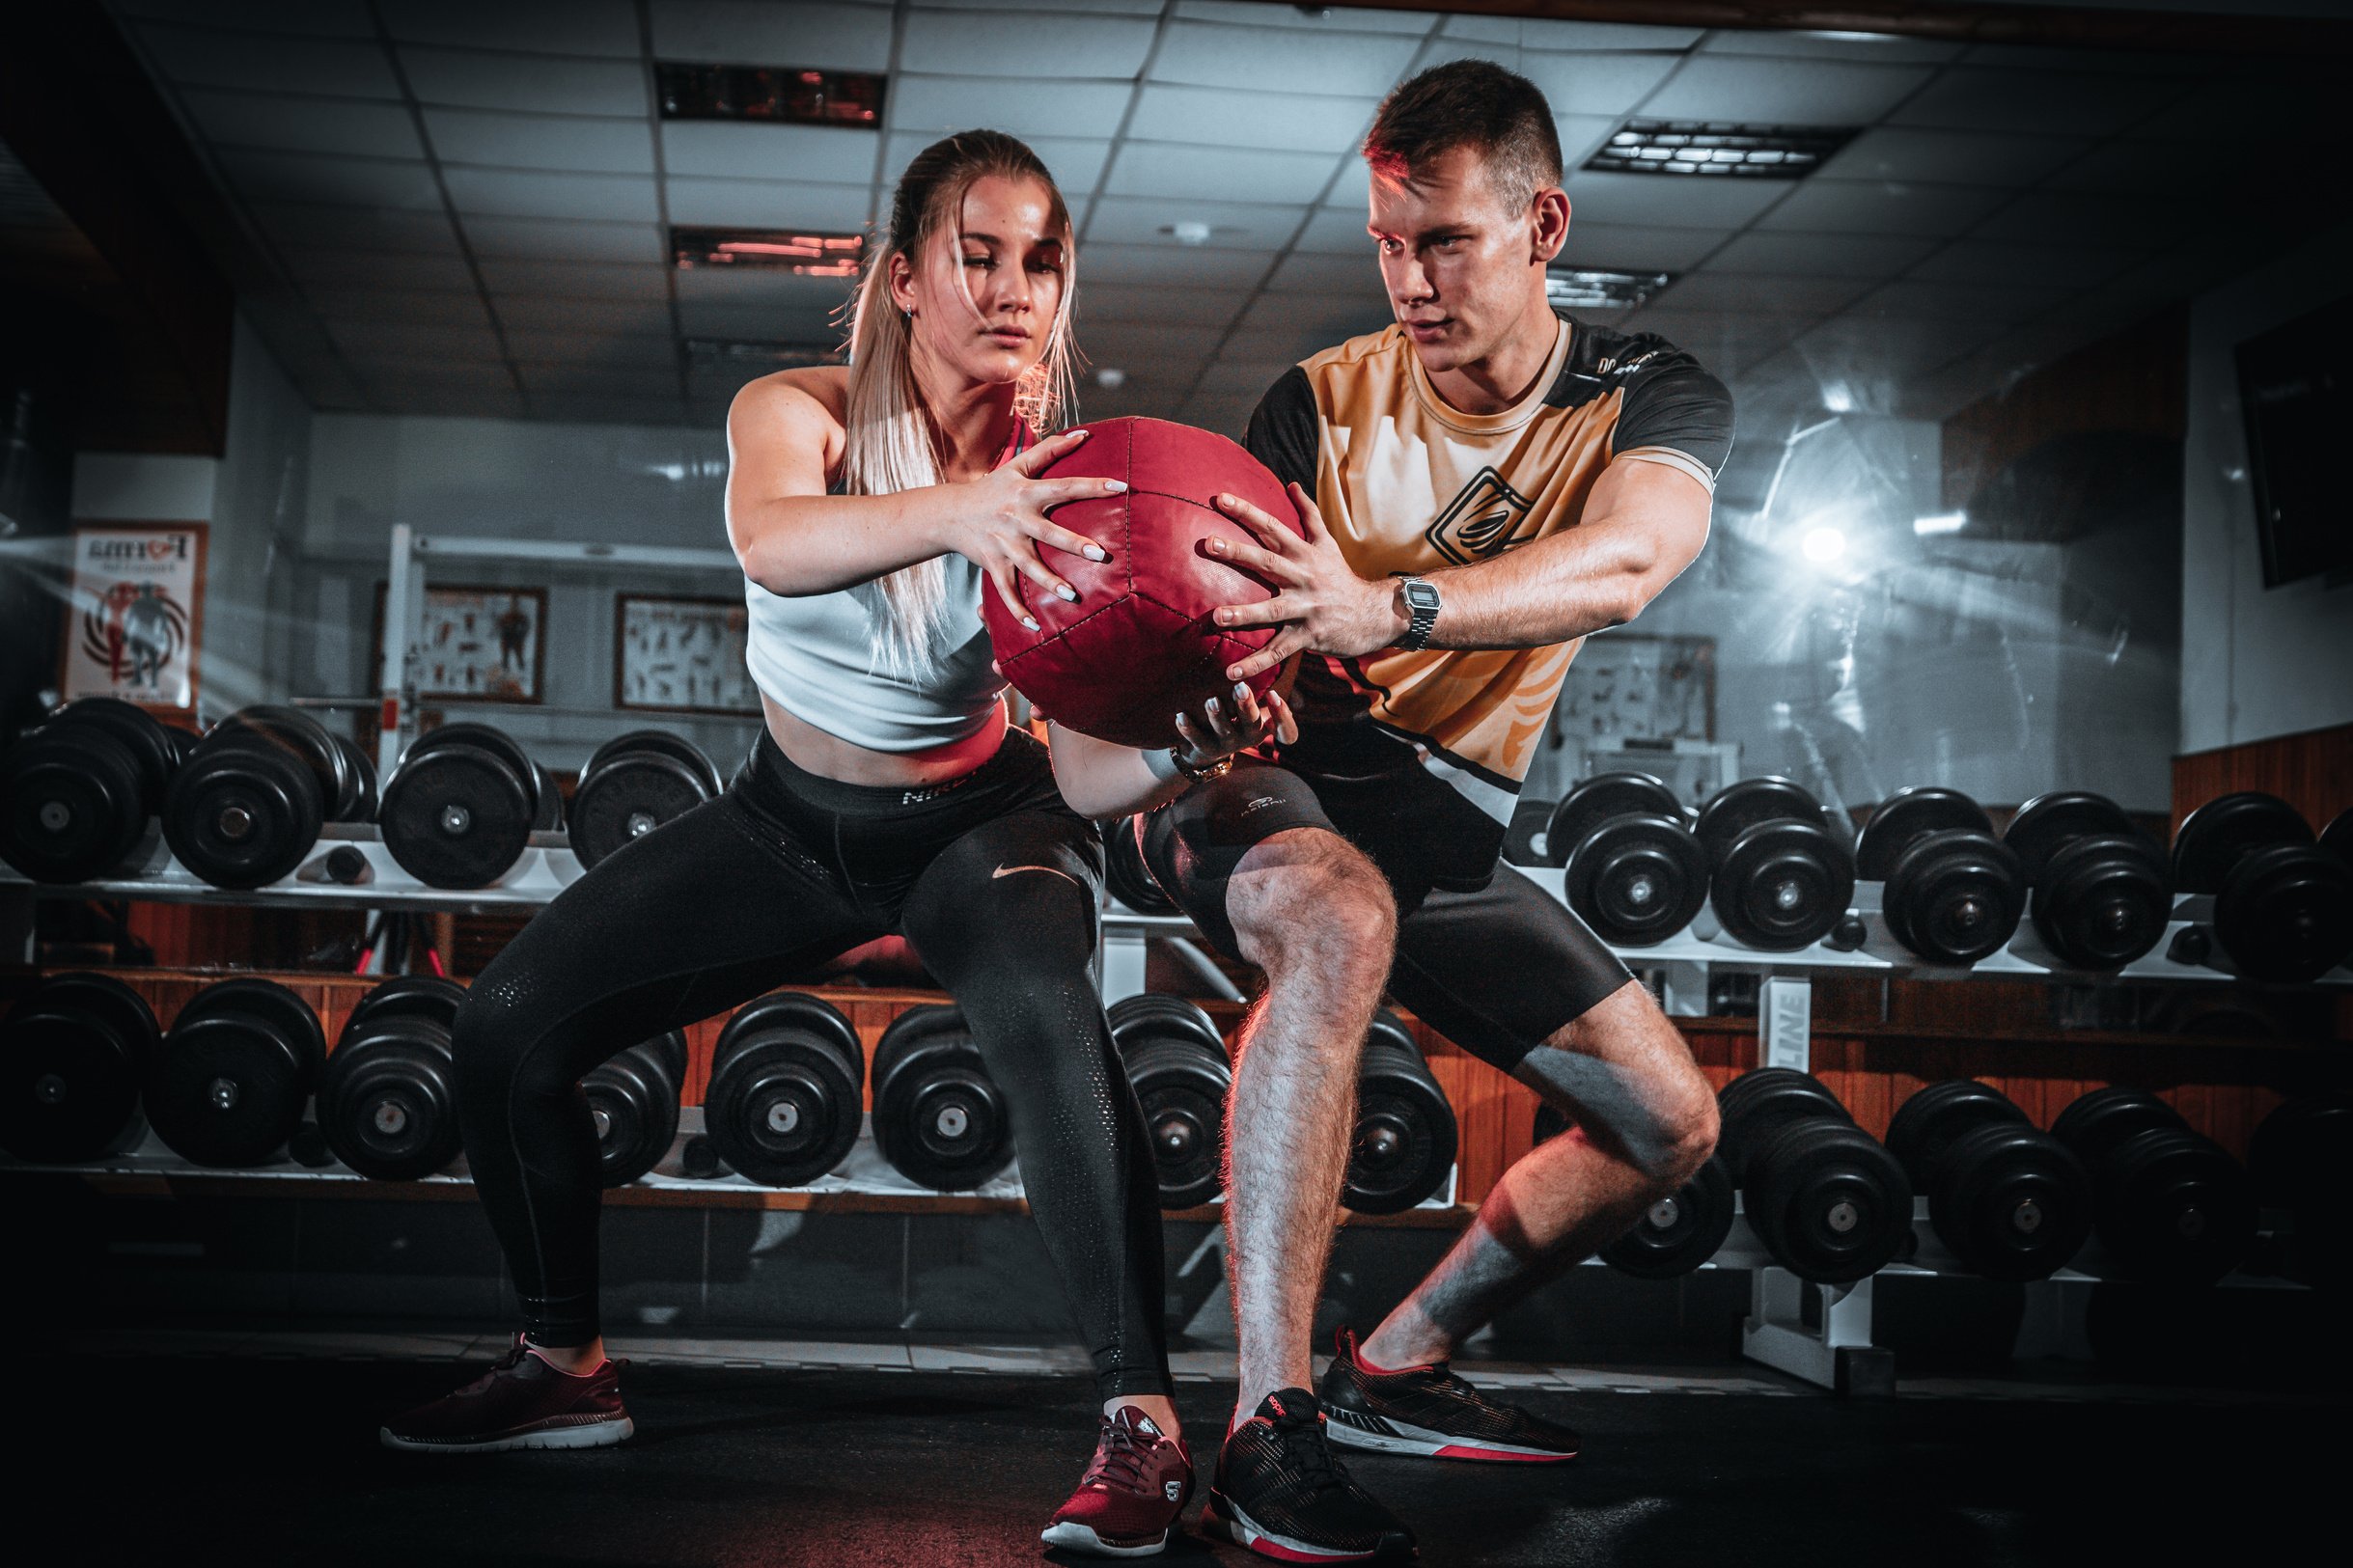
1407, 484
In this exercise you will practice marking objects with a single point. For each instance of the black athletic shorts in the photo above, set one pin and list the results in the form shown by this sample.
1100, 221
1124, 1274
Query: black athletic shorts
1494, 964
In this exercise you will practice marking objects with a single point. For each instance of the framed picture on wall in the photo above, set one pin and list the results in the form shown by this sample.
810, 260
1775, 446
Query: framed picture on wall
1626, 686
681, 655
486, 643
136, 618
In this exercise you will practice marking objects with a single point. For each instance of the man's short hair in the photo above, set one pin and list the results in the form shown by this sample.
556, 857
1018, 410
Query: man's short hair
1499, 114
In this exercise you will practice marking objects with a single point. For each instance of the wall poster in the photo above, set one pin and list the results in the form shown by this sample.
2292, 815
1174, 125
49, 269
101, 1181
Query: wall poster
136, 614
681, 655
486, 644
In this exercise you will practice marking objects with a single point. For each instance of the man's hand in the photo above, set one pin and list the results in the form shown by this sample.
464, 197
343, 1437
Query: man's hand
1321, 603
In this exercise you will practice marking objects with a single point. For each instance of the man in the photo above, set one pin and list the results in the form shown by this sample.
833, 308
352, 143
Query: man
1484, 482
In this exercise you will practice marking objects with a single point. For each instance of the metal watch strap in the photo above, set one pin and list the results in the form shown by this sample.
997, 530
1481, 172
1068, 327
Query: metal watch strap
1421, 609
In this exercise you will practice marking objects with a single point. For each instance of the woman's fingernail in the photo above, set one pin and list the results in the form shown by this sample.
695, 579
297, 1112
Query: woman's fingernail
1241, 690
1030, 624
1213, 705
1095, 551
1078, 435
1217, 547
1115, 487
1068, 592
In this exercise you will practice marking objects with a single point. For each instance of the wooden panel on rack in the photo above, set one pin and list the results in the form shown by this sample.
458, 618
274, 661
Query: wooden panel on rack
2312, 771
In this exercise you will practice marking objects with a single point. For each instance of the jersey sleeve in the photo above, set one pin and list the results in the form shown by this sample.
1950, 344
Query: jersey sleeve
1674, 413
1283, 431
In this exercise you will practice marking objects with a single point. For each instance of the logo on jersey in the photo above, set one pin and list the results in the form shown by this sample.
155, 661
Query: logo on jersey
1487, 519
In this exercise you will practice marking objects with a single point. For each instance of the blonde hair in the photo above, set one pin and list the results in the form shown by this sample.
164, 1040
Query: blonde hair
889, 444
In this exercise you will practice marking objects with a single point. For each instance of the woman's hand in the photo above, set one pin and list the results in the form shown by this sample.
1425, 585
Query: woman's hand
1233, 723
1001, 531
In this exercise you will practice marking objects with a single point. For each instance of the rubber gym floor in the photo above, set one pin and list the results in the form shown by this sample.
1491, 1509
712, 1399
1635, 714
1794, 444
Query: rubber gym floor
264, 1457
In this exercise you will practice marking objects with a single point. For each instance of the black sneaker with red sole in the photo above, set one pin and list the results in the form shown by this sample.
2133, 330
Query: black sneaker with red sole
1129, 1498
1281, 1492
525, 1401
1429, 1411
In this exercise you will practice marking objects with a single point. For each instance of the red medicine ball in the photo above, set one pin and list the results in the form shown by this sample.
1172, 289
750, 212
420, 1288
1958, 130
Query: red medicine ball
1139, 646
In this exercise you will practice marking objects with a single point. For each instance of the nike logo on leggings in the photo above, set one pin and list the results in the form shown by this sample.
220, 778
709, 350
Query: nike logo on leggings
1008, 870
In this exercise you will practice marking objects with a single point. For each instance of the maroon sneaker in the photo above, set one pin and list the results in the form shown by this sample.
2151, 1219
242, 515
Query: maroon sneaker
526, 1401
1130, 1495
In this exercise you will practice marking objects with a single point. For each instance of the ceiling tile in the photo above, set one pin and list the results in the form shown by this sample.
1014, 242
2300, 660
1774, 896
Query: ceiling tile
1276, 60
815, 153
561, 240
2149, 167
1351, 188
2095, 61
1329, 18
1336, 232
1211, 174
346, 127
1722, 340
1976, 261
465, 79
1666, 202
768, 204
1823, 256
374, 336
1077, 167
1251, 379
1357, 277
778, 291
1015, 40
1960, 302
1228, 416
1770, 295
1637, 248
433, 308
619, 381
2084, 218
1215, 117
357, 229
293, 176
1136, 348
596, 317
1579, 84
1233, 226
575, 280
1331, 318
1863, 48
2014, 101
378, 270
324, 19
1581, 136
196, 58
1086, 110
514, 193
1860, 206
1572, 36
1949, 157
1185, 265
1783, 92
607, 350
765, 33
757, 322
594, 27
524, 140
1106, 302
1898, 349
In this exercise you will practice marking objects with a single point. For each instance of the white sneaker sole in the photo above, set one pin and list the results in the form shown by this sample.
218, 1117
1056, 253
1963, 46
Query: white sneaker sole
1406, 1438
595, 1435
1082, 1538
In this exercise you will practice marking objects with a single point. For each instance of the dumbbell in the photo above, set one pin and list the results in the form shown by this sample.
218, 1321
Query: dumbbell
75, 1051
247, 804
1782, 877
1403, 1143
1125, 871
2168, 1204
77, 794
1951, 892
633, 1102
1176, 1060
2282, 903
1529, 819
787, 1077
239, 1063
387, 1101
1676, 1234
938, 1119
632, 785
462, 807
2012, 1201
2301, 1160
2337, 837
1827, 1199
1637, 874
2102, 888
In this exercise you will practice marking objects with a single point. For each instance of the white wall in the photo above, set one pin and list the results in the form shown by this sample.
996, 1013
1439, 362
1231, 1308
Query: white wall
2255, 663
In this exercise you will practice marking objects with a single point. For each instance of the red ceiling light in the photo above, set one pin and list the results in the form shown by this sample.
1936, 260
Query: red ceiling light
784, 250
780, 95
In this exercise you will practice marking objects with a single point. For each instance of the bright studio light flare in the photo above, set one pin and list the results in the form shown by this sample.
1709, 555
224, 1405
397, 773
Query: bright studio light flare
1823, 545
1944, 522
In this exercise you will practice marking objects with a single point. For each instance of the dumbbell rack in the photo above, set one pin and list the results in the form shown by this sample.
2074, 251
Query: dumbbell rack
1819, 1333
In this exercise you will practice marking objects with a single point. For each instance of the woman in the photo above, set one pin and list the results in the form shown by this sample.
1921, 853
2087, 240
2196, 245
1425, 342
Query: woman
888, 794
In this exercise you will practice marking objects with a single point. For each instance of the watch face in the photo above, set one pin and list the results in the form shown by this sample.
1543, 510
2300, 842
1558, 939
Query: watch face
1421, 596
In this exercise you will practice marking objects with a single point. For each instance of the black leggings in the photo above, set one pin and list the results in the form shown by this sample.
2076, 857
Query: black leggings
991, 879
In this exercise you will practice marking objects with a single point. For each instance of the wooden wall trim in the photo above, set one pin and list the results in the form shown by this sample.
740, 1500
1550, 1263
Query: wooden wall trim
2312, 771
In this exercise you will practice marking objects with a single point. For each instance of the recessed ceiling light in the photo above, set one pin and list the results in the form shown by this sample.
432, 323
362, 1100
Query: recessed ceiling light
782, 94
1187, 234
1594, 289
1719, 149
803, 251
1110, 376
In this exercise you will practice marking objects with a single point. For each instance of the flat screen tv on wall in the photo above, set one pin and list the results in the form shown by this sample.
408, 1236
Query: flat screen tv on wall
2296, 390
